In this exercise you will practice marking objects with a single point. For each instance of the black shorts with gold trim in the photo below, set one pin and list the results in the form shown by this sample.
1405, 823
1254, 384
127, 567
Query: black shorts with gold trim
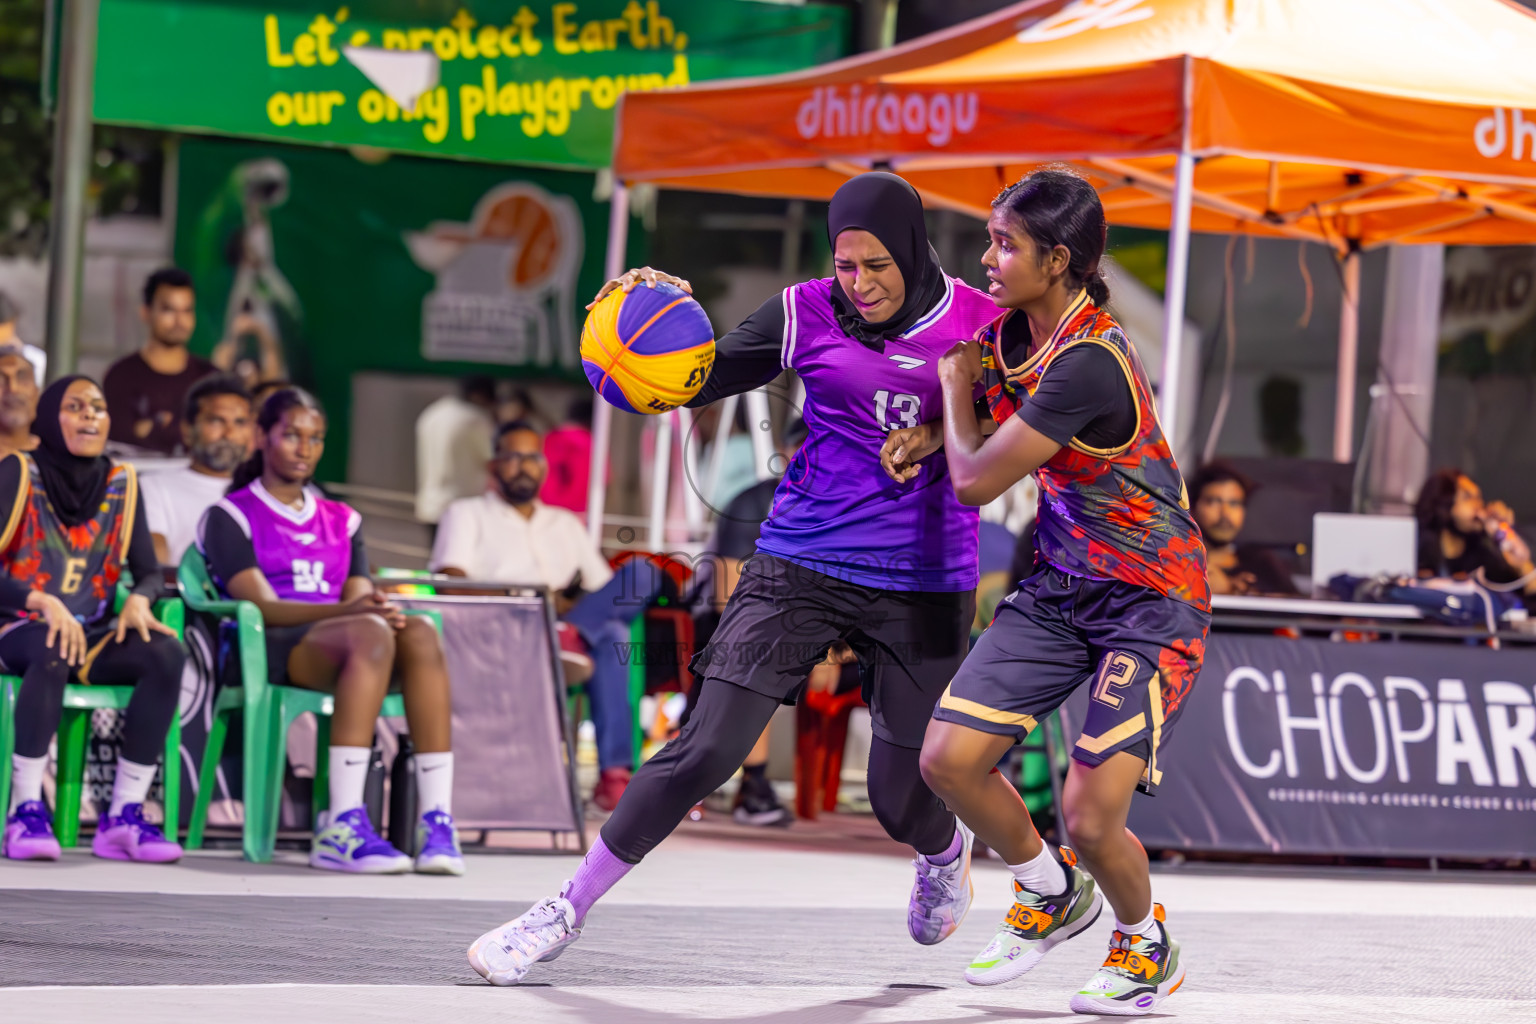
1140, 650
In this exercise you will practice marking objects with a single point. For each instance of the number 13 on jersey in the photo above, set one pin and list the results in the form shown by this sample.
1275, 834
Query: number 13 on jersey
892, 412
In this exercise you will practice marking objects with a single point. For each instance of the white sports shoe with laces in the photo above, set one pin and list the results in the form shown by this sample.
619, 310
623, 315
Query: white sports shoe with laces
941, 894
502, 956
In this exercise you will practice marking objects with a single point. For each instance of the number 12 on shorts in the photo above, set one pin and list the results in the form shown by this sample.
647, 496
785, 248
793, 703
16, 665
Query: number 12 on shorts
894, 412
1115, 672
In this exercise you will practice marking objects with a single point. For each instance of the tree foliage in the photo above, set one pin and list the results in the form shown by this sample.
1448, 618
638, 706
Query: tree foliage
126, 166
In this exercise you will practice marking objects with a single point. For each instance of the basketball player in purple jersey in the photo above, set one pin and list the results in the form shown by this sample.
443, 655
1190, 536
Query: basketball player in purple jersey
846, 554
297, 555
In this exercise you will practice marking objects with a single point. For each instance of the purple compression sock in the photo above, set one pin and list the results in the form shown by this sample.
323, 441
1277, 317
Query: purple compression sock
599, 871
949, 855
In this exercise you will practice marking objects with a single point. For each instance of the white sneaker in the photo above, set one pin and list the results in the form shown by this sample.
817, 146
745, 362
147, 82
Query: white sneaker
502, 956
941, 894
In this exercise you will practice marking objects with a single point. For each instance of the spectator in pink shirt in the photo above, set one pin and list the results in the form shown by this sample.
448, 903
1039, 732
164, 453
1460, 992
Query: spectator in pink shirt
568, 449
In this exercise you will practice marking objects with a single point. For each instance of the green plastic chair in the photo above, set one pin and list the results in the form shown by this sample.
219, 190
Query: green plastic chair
266, 711
80, 700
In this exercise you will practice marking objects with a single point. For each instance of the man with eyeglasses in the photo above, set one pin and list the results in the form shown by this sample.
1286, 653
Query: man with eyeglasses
508, 535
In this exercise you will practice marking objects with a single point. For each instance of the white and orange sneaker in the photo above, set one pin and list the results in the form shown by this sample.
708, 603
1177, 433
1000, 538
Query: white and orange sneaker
1140, 972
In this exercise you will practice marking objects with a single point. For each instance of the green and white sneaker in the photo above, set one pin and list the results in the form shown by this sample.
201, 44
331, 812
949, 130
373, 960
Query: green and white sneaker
1035, 924
347, 842
1141, 971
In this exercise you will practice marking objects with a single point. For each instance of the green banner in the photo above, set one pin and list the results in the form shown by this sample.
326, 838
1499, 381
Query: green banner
313, 265
492, 80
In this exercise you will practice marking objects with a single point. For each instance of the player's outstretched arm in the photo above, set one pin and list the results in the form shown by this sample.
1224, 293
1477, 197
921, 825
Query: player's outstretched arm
981, 472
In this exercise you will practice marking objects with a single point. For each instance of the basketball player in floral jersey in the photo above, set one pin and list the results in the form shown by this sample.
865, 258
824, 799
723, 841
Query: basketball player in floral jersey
845, 555
71, 520
1118, 599
279, 543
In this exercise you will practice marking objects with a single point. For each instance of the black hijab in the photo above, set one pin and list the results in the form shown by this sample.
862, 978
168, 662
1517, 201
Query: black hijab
75, 484
889, 208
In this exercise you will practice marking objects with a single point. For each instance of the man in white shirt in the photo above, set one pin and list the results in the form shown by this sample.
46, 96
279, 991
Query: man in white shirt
453, 442
217, 430
508, 535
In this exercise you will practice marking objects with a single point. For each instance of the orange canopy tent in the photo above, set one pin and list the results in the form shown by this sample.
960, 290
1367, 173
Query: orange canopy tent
1352, 123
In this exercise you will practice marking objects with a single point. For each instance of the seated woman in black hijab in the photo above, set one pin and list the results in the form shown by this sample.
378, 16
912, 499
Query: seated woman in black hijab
72, 520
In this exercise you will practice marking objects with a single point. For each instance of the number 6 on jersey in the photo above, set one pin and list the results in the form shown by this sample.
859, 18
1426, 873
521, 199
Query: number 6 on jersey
902, 410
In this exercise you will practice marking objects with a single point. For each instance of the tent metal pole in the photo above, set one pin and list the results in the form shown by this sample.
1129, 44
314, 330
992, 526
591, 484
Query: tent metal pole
717, 444
602, 412
1349, 346
1173, 300
760, 430
693, 501
661, 481
71, 178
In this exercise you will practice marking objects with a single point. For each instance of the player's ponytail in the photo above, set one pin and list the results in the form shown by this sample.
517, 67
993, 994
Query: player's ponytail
247, 472
1055, 206
268, 416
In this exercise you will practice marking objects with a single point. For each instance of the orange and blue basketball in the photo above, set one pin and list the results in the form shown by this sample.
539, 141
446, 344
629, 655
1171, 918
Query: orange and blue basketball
647, 350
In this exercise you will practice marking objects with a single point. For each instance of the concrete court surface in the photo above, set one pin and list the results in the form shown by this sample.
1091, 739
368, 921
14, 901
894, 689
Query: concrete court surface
724, 931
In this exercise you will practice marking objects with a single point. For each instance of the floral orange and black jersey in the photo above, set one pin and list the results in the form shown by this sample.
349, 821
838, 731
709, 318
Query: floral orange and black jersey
1106, 513
80, 565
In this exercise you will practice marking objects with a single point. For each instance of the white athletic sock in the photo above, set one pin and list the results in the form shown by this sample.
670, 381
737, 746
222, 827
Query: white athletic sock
1041, 875
434, 782
1144, 927
349, 774
131, 785
26, 779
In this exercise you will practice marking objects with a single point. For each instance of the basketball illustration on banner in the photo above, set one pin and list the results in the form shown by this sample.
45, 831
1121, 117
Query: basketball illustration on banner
647, 350
505, 281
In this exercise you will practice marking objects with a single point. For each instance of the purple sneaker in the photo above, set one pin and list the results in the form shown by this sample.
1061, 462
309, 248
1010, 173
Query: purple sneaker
29, 833
438, 842
128, 836
349, 843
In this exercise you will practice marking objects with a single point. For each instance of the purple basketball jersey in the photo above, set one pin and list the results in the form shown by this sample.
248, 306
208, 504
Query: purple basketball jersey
836, 511
304, 553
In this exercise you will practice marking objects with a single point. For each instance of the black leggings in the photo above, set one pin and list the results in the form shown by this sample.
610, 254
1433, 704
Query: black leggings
717, 737
154, 670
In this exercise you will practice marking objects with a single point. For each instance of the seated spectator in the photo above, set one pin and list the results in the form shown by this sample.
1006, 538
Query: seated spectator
298, 556
453, 442
1218, 496
18, 400
10, 313
67, 507
147, 389
1462, 536
216, 430
508, 535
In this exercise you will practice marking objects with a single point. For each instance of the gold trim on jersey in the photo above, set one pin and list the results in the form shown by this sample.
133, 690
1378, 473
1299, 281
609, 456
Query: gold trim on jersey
23, 491
1130, 379
130, 505
84, 672
1073, 308
1153, 774
986, 714
1099, 744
